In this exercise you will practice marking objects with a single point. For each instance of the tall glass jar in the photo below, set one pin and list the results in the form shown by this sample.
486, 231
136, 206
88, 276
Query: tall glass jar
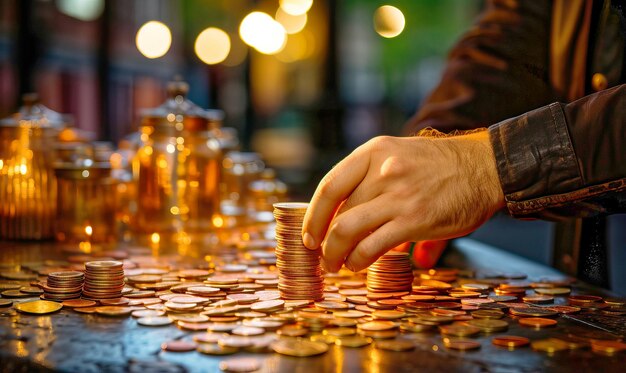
27, 181
177, 168
86, 202
240, 169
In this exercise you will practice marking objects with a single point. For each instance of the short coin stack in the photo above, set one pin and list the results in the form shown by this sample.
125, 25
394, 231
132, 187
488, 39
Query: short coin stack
390, 273
299, 269
63, 285
103, 279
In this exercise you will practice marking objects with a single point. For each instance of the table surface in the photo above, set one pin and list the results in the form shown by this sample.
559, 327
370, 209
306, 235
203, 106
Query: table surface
72, 342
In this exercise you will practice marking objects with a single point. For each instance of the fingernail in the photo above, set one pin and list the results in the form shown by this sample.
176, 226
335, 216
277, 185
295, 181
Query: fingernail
308, 241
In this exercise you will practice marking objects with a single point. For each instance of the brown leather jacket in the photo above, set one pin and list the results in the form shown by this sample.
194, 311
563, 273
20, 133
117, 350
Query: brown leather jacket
547, 78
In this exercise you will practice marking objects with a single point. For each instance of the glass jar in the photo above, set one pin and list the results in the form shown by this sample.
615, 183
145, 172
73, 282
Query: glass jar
177, 168
267, 191
240, 169
27, 181
86, 202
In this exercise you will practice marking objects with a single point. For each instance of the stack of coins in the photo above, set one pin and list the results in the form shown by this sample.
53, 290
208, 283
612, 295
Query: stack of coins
64, 285
390, 273
299, 269
103, 279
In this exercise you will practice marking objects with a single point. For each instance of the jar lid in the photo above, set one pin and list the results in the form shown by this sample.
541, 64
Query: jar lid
178, 109
34, 114
268, 185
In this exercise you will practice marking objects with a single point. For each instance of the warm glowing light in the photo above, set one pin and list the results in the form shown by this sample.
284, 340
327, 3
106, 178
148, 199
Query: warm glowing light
263, 33
89, 230
23, 169
212, 46
85, 173
292, 24
155, 238
153, 39
147, 150
116, 160
174, 210
1, 164
170, 148
218, 222
299, 47
388, 21
296, 7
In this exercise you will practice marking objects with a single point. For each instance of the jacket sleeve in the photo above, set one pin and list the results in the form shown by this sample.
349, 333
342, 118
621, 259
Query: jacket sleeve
499, 69
565, 159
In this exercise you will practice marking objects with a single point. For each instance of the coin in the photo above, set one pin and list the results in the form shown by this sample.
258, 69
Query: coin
5, 302
395, 345
38, 307
77, 303
154, 321
462, 345
113, 311
537, 322
510, 341
353, 341
377, 325
179, 346
215, 349
607, 347
299, 347
240, 365
550, 345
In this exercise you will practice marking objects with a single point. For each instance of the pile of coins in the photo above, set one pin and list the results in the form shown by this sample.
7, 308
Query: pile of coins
299, 269
390, 273
104, 279
63, 285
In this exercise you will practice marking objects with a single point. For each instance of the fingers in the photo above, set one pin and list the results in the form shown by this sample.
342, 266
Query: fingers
350, 227
427, 253
376, 244
332, 190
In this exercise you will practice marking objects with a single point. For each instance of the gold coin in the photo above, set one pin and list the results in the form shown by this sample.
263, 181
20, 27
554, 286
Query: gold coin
353, 341
550, 345
553, 291
395, 345
38, 307
377, 325
299, 347
339, 332
5, 302
77, 303
324, 338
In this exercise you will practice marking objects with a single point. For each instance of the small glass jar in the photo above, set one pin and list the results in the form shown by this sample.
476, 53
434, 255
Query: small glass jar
240, 169
86, 202
177, 168
28, 187
267, 191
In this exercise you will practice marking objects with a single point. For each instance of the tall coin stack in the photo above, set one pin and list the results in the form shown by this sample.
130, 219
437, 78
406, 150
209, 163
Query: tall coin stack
103, 279
63, 285
390, 273
299, 269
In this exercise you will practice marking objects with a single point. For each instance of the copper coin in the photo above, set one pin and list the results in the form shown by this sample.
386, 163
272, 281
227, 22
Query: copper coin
241, 365
78, 303
5, 302
114, 311
179, 346
537, 322
462, 345
38, 307
377, 325
510, 341
395, 345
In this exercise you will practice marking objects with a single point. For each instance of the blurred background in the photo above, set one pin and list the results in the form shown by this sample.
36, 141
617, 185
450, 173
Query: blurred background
322, 77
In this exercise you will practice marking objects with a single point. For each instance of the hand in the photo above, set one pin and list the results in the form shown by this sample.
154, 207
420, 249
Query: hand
427, 253
397, 189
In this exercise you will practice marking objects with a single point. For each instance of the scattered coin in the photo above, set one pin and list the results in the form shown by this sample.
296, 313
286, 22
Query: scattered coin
299, 347
510, 341
38, 307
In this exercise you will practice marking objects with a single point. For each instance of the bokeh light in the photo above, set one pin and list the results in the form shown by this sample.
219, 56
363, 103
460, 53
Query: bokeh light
154, 39
212, 46
260, 31
388, 21
296, 7
84, 10
292, 24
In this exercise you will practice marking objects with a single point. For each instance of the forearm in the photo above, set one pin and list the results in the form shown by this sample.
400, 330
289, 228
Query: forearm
565, 160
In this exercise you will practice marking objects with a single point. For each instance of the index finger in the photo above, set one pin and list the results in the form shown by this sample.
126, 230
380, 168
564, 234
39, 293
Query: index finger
335, 187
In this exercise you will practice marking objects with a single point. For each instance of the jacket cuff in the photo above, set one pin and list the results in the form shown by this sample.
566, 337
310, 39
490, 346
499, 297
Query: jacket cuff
534, 158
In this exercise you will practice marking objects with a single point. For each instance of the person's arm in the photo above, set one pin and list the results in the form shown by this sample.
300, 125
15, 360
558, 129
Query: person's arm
498, 70
565, 159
